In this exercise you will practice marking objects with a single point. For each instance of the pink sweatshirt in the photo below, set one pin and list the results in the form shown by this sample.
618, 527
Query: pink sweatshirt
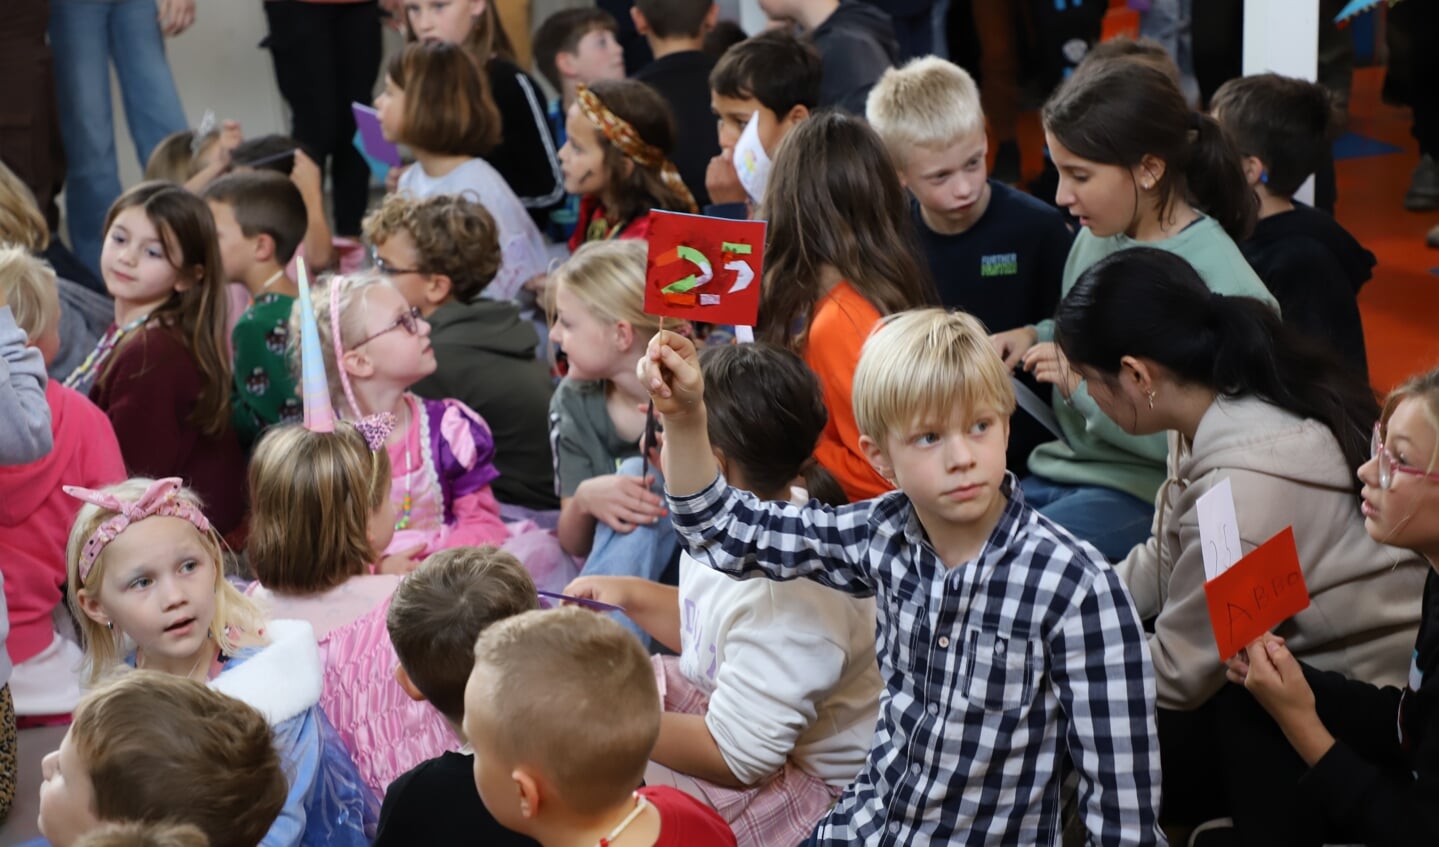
35, 515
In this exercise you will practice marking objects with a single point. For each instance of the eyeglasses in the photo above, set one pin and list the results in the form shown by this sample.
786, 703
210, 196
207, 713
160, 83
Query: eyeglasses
1389, 466
409, 319
387, 269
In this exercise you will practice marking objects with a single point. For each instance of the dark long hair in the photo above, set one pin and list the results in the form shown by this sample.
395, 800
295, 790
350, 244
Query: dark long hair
629, 196
197, 315
765, 412
834, 199
1119, 110
1151, 304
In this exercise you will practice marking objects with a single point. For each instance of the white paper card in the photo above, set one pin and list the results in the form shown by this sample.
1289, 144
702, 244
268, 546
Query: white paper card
751, 163
1218, 530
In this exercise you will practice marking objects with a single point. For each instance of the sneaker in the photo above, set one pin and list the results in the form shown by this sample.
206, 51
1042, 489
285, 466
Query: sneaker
1423, 194
1214, 833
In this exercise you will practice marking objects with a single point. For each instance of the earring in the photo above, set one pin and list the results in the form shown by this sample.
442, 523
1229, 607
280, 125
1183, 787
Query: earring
110, 625
1150, 395
1147, 185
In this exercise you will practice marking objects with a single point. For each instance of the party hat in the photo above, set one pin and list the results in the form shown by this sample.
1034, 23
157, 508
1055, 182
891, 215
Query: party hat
319, 416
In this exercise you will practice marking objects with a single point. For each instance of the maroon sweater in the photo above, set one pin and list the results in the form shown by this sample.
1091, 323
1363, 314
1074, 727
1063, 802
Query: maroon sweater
149, 389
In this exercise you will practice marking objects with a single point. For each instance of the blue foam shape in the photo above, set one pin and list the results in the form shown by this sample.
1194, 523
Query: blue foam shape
1352, 145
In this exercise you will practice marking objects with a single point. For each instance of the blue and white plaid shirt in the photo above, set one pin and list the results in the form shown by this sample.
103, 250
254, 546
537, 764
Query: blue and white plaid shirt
998, 673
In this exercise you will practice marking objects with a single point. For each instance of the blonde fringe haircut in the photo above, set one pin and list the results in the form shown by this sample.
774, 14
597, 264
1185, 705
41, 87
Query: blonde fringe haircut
584, 686
20, 219
922, 365
353, 298
31, 291
1425, 389
608, 277
929, 103
311, 497
237, 622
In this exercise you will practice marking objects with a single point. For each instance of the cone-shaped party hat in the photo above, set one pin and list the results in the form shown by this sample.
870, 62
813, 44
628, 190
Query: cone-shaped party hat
319, 415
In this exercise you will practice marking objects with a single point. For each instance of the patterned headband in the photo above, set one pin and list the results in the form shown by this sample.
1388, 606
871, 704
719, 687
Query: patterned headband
623, 135
160, 498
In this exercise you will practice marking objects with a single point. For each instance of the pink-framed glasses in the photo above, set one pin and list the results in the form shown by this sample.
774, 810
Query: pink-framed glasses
409, 319
1389, 466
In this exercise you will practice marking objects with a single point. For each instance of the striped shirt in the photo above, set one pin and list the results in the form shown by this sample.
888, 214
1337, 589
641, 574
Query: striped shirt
1000, 674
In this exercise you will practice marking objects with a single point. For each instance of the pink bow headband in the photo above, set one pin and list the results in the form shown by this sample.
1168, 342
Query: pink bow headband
160, 498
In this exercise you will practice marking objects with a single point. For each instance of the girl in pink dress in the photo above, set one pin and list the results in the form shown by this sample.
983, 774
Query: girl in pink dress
441, 452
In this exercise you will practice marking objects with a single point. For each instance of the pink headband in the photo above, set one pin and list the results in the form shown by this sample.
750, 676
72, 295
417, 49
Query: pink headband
161, 498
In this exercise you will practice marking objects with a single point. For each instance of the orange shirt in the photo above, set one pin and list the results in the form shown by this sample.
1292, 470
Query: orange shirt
842, 321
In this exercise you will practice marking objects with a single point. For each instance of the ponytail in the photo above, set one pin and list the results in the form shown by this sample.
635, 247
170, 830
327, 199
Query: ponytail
1214, 175
1118, 111
1151, 304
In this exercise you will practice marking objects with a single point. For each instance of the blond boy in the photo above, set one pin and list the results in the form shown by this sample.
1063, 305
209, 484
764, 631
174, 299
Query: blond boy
995, 252
562, 710
1009, 648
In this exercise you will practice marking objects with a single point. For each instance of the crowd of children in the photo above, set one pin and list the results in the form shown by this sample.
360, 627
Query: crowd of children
922, 565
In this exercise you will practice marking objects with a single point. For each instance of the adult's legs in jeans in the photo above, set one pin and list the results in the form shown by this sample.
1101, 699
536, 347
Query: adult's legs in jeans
303, 45
79, 39
1105, 517
147, 88
357, 26
644, 551
1168, 22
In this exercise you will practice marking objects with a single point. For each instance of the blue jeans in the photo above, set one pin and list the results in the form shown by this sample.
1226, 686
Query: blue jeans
86, 36
644, 551
1105, 517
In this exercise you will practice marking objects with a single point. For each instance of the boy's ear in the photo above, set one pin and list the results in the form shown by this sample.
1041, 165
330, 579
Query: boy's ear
529, 791
642, 26
264, 247
403, 678
711, 17
438, 289
797, 113
873, 451
565, 63
1253, 170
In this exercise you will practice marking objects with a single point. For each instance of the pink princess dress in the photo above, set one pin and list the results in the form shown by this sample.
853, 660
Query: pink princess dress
442, 468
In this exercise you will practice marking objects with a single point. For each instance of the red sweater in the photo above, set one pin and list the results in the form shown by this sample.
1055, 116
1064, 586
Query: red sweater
591, 209
685, 821
149, 390
35, 515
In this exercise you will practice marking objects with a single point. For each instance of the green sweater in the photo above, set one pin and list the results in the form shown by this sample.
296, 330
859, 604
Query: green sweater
264, 392
1096, 451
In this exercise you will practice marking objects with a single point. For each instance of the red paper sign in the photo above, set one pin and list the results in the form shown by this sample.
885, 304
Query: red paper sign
1260, 591
704, 269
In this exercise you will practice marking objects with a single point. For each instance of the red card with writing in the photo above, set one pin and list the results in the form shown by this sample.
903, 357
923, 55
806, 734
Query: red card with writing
1256, 594
704, 269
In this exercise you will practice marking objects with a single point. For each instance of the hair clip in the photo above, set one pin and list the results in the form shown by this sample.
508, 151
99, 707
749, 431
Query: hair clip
376, 428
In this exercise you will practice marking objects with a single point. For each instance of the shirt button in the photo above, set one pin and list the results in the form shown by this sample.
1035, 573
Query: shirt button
934, 708
914, 768
894, 827
944, 641
999, 646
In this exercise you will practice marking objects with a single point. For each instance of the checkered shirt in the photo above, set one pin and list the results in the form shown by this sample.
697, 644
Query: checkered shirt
998, 674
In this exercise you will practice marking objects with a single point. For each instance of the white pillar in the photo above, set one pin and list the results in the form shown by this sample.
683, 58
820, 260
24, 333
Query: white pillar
1282, 36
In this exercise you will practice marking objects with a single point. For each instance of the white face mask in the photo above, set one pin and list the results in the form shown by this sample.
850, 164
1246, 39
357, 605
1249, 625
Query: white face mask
751, 162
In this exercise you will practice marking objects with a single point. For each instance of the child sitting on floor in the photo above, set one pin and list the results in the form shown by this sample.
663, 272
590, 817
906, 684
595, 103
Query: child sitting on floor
154, 748
35, 515
770, 706
434, 619
1010, 652
561, 709
441, 451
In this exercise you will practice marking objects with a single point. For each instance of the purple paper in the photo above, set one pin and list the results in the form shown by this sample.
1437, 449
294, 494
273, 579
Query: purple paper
579, 601
367, 121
